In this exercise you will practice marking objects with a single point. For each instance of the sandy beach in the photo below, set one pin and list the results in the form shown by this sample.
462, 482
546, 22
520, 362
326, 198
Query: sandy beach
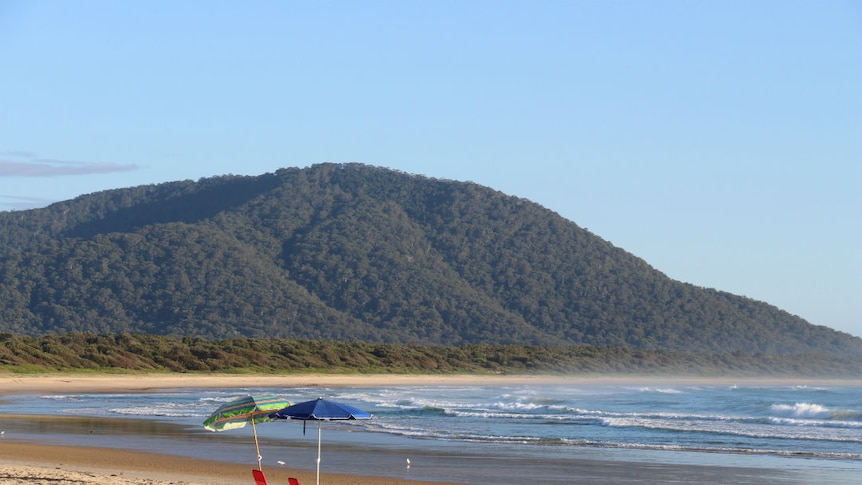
26, 463
70, 383
33, 463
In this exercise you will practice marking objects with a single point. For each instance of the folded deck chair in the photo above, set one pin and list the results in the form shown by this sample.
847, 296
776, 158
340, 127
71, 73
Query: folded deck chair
259, 478
293, 481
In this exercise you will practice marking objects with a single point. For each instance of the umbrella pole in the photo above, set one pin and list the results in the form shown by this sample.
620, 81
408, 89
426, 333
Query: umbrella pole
318, 452
256, 446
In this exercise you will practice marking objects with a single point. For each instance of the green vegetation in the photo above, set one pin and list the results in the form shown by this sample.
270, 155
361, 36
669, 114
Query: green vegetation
353, 253
115, 353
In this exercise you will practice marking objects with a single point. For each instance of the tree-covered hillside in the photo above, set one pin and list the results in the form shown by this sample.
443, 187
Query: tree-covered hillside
359, 253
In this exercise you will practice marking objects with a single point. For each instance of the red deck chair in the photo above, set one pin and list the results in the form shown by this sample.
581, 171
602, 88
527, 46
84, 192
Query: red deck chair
293, 481
259, 478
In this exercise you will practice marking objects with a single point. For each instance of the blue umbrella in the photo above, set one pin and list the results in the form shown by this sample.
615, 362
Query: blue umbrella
320, 410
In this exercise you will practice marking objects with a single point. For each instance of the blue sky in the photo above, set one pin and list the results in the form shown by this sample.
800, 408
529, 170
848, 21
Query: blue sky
721, 141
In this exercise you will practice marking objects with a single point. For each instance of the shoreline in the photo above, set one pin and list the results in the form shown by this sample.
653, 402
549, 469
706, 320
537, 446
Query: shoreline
34, 463
62, 383
30, 462
26, 463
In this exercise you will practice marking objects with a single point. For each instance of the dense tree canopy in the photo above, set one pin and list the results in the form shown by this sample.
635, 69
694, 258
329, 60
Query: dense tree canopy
359, 253
151, 353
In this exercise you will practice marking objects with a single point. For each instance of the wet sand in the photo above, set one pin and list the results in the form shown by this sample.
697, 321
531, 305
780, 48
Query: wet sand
28, 463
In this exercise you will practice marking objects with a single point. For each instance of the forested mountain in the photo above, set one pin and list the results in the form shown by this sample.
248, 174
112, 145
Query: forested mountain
359, 253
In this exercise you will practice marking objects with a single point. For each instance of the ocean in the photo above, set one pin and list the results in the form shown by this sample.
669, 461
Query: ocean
539, 434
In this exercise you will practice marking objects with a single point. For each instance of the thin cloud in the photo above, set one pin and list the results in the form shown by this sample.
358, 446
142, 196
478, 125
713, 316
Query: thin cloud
59, 168
14, 202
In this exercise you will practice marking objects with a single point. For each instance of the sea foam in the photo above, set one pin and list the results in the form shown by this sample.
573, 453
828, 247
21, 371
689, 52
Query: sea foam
801, 410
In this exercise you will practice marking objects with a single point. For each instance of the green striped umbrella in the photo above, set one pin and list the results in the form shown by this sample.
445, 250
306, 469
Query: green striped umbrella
242, 411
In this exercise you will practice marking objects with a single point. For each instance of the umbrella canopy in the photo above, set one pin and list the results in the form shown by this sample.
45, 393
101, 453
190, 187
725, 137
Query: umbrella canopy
239, 412
321, 410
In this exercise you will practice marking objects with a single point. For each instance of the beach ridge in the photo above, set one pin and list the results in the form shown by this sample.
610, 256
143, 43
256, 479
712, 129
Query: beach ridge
12, 383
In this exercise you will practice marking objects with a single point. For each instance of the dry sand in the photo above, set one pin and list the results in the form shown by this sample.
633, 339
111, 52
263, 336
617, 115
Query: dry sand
35, 464
70, 383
